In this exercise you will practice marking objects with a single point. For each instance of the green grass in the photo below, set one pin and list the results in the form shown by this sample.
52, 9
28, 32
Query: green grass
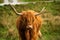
1, 1
50, 29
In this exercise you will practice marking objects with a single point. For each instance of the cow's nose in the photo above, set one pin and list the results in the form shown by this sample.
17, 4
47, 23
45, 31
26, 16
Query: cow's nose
29, 27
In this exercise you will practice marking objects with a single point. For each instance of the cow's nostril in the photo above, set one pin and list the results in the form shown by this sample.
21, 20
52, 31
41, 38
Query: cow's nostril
29, 28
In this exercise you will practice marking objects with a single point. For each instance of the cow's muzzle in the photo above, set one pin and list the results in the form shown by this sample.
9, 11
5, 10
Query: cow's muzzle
29, 27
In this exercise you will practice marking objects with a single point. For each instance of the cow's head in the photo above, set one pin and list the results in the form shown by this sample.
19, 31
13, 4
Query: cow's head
28, 24
28, 17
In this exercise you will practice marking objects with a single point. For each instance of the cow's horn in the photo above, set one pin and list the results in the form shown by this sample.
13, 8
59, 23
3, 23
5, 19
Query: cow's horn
41, 11
15, 10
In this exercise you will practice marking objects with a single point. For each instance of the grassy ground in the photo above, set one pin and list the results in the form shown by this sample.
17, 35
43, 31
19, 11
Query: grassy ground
50, 28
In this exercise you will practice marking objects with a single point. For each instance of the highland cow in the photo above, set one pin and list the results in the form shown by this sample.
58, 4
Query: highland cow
28, 25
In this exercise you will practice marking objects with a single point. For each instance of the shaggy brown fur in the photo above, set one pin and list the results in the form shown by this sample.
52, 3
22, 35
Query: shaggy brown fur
28, 18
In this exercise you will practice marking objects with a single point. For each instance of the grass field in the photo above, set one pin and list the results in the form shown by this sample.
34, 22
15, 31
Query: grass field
50, 27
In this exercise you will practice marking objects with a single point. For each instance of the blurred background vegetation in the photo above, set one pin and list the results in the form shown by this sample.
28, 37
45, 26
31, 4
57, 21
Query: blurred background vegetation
51, 20
33, 0
1, 1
